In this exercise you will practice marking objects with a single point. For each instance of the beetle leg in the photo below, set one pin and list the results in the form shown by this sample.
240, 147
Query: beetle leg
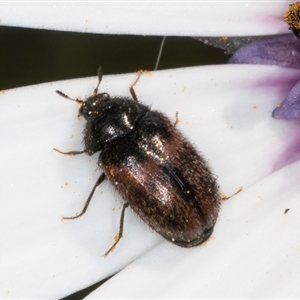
71, 152
176, 119
120, 234
98, 182
224, 197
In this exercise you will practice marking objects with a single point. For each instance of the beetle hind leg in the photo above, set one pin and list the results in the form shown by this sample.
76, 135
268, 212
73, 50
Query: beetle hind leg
120, 234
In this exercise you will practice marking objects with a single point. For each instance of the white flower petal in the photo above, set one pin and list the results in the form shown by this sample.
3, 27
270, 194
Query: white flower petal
225, 110
253, 253
151, 18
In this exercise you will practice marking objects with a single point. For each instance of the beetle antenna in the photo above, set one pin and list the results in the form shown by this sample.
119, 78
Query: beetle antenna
131, 88
100, 74
69, 98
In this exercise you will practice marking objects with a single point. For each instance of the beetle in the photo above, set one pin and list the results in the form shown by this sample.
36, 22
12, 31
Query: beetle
155, 169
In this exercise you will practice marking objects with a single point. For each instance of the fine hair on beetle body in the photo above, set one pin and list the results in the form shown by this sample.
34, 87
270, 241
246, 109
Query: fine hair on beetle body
154, 168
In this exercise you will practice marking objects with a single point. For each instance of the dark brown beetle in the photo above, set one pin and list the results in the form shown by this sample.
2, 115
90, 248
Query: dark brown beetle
157, 171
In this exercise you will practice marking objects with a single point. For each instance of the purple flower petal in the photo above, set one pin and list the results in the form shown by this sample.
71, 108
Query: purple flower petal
290, 107
283, 50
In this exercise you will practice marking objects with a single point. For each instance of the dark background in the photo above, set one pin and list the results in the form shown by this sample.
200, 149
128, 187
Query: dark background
32, 56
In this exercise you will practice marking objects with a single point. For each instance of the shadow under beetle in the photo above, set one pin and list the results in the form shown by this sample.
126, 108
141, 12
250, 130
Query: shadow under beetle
157, 171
